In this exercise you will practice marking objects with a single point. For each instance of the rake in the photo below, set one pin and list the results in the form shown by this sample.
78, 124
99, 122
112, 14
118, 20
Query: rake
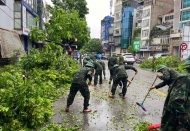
141, 104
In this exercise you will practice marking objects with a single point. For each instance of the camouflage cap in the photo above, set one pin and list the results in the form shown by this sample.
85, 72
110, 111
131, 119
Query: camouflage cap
89, 64
187, 63
160, 67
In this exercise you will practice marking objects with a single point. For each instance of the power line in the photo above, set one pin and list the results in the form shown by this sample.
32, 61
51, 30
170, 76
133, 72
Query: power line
14, 11
10, 17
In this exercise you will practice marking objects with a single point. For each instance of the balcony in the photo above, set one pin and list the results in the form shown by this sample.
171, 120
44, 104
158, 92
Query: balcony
139, 8
140, 2
2, 2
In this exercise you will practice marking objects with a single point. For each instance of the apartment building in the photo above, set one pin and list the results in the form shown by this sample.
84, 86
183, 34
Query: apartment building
151, 11
117, 26
127, 28
181, 19
107, 35
20, 15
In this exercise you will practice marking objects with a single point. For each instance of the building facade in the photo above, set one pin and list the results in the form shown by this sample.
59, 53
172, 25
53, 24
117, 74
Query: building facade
107, 34
181, 19
127, 28
117, 26
20, 15
152, 9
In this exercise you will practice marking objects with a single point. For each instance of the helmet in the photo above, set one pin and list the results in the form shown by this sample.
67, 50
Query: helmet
89, 64
187, 63
160, 67
116, 65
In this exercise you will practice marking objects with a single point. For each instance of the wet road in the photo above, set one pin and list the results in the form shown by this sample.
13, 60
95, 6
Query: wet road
114, 114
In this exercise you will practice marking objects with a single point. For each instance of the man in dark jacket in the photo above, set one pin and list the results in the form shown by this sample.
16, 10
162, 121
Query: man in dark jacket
111, 62
120, 74
79, 84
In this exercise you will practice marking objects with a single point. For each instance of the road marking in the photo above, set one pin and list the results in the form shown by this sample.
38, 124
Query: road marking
159, 92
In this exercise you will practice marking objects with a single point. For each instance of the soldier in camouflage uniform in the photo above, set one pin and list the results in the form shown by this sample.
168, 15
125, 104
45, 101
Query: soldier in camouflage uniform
111, 62
85, 61
98, 72
176, 112
168, 76
103, 68
79, 84
120, 74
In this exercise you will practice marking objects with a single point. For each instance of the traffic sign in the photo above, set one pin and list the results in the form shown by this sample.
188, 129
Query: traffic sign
183, 46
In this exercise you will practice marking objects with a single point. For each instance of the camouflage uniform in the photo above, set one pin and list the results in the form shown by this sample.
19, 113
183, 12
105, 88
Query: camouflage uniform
111, 62
85, 61
98, 72
176, 112
103, 68
120, 74
79, 84
169, 76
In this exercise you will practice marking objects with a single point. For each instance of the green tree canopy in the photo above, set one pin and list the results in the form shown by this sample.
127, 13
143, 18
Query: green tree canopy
78, 5
65, 24
92, 46
130, 49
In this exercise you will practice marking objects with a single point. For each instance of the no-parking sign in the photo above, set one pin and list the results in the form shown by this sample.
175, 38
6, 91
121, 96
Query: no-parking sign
183, 46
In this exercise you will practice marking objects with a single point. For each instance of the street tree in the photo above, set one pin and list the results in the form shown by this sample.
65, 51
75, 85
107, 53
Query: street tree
63, 26
78, 5
92, 46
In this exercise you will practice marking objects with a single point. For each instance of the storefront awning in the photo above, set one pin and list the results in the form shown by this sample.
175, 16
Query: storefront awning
9, 43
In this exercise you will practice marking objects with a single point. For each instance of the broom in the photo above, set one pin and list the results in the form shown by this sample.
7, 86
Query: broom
141, 104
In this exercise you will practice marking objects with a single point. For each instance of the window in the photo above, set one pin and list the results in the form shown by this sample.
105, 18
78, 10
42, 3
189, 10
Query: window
146, 13
117, 16
145, 33
32, 4
117, 25
145, 23
186, 15
169, 17
117, 8
17, 15
117, 32
186, 3
30, 20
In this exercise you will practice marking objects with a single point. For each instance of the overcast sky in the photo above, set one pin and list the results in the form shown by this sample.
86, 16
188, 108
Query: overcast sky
98, 9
